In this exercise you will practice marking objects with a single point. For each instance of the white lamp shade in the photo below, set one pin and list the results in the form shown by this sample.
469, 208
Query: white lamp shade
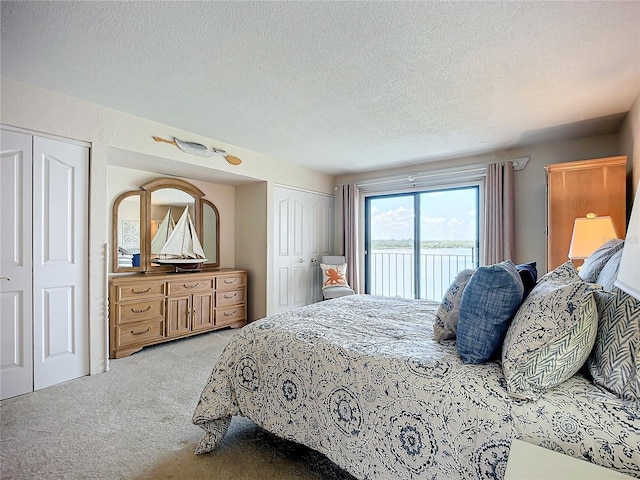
629, 270
589, 233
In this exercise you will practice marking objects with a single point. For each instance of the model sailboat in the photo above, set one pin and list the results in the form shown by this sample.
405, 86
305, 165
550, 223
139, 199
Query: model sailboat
164, 232
182, 248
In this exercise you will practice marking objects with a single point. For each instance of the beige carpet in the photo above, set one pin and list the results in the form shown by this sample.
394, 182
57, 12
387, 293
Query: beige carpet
134, 422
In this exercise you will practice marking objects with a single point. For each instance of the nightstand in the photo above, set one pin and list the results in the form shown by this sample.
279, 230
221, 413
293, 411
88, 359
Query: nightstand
531, 462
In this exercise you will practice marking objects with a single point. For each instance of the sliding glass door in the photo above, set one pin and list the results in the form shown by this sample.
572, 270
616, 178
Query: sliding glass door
417, 242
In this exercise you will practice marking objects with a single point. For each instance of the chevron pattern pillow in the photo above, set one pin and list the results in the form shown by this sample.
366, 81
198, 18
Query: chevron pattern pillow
551, 335
614, 362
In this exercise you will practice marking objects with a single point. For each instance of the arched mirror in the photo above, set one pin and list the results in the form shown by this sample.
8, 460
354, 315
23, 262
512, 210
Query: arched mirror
128, 238
165, 204
210, 231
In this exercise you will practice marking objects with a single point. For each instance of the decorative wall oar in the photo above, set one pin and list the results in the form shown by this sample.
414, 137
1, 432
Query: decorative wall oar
194, 148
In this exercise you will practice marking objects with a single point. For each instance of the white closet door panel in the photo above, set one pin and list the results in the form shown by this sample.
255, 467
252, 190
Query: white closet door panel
282, 230
300, 286
16, 356
325, 233
282, 289
60, 230
312, 230
282, 251
297, 225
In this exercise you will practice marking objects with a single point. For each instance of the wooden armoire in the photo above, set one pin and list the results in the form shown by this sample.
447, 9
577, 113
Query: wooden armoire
577, 188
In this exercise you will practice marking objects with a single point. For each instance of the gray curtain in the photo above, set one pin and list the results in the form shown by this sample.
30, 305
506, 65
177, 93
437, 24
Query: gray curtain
348, 197
499, 233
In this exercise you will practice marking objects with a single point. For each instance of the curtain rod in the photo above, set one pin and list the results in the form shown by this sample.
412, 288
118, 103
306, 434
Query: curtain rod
480, 168
410, 177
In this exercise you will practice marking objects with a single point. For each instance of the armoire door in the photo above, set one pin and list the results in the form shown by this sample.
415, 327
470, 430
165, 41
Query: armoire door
16, 365
45, 312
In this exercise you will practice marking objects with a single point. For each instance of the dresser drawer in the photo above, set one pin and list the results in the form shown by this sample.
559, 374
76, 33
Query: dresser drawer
228, 315
186, 286
229, 297
141, 333
138, 311
230, 282
136, 291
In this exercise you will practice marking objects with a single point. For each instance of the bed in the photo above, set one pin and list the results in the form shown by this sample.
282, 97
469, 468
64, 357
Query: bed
361, 380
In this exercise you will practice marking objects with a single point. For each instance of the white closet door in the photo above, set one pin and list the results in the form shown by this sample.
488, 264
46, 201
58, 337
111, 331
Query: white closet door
16, 365
303, 233
60, 259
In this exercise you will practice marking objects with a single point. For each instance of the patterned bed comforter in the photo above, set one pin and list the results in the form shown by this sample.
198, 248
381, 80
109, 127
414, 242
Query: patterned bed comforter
361, 380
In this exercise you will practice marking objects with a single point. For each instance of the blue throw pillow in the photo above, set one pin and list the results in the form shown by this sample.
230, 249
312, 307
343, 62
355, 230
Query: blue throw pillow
529, 276
489, 302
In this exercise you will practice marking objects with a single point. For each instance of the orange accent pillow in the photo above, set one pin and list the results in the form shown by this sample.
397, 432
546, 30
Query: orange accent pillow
334, 275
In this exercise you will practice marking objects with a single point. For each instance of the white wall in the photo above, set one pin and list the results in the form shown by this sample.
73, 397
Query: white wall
110, 133
529, 184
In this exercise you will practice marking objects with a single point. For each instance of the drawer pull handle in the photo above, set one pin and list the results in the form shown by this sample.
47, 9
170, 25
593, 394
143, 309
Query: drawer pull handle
230, 314
191, 286
141, 311
141, 292
234, 280
231, 296
140, 333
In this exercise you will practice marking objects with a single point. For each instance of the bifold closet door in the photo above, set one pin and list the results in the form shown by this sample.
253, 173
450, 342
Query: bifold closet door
16, 366
60, 262
44, 263
303, 233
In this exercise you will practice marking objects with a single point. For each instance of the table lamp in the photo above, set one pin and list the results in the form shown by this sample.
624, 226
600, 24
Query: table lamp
589, 233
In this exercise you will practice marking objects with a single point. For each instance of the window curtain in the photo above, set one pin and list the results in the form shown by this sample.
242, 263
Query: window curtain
499, 230
349, 198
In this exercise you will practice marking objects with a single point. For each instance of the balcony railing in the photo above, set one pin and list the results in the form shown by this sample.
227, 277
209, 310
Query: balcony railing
392, 274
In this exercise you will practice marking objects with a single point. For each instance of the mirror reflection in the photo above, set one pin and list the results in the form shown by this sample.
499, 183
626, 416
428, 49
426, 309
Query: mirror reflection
210, 231
167, 206
128, 229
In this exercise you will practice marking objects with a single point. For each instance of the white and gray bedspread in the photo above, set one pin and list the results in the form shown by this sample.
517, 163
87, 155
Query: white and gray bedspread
361, 380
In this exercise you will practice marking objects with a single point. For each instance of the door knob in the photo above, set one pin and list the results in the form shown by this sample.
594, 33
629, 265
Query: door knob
5, 278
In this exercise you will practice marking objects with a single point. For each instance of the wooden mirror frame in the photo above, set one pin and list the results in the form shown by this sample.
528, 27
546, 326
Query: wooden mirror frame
115, 237
145, 193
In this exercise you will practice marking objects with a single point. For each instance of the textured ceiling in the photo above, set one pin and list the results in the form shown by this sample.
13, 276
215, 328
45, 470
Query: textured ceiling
340, 87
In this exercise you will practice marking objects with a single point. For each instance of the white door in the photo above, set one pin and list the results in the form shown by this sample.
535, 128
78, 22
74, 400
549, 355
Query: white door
60, 262
16, 341
303, 233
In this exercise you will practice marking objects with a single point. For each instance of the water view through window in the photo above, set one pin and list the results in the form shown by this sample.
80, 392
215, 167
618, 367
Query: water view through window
417, 242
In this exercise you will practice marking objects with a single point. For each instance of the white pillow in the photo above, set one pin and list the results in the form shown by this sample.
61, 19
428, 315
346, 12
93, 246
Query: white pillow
551, 335
446, 323
334, 276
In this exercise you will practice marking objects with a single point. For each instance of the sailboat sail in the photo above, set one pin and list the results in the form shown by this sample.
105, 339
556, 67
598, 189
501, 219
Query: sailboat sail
164, 232
183, 241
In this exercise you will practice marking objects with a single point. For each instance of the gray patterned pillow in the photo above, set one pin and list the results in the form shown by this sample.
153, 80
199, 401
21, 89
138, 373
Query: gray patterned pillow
596, 261
446, 323
614, 362
551, 335
609, 272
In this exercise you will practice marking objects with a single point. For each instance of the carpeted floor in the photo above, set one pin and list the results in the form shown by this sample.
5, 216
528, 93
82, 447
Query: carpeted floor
134, 422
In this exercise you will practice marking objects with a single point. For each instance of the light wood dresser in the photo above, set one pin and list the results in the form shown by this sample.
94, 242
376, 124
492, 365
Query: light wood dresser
151, 308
